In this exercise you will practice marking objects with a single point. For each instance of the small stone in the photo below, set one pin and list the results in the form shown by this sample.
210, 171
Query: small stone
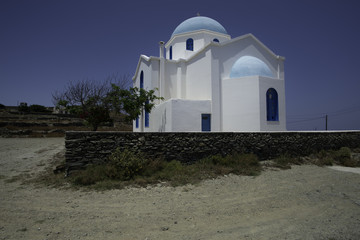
164, 228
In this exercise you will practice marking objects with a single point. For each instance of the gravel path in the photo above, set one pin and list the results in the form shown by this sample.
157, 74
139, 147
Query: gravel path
305, 202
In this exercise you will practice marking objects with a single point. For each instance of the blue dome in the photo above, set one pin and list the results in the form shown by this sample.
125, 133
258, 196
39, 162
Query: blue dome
199, 23
250, 66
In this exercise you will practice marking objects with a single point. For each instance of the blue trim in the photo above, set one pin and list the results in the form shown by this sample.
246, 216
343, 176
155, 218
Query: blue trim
190, 44
137, 122
142, 79
206, 122
272, 105
147, 116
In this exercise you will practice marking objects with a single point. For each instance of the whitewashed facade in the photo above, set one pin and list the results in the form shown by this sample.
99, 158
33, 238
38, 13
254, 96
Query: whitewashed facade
212, 82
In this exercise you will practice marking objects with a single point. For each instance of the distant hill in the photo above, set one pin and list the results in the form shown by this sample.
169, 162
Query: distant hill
47, 124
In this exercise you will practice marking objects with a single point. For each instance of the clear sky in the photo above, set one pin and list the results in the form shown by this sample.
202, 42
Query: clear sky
46, 43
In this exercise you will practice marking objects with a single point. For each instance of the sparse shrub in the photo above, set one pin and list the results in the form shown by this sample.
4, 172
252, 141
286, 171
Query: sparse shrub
246, 164
90, 176
285, 161
125, 165
2, 106
282, 161
176, 173
343, 157
325, 161
324, 158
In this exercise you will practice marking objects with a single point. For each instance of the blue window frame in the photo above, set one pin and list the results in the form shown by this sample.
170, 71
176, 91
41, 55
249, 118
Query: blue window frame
206, 122
147, 116
170, 53
142, 79
137, 122
272, 105
216, 40
190, 44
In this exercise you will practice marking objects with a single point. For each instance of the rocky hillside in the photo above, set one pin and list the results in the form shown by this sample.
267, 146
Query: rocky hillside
16, 124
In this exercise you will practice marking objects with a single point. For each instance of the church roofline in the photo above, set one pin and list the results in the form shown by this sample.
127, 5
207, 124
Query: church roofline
258, 41
146, 58
215, 44
193, 32
232, 41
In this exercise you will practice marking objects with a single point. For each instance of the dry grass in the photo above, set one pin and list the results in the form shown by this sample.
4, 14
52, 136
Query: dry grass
128, 169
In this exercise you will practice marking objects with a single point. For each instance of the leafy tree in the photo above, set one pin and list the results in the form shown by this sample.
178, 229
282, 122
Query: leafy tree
86, 100
93, 101
132, 101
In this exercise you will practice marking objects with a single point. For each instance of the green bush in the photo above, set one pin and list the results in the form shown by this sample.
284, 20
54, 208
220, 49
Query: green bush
170, 170
343, 157
125, 165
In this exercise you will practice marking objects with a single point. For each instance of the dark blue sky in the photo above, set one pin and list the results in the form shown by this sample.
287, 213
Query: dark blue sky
46, 43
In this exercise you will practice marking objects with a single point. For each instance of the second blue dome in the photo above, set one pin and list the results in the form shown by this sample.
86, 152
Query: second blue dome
250, 66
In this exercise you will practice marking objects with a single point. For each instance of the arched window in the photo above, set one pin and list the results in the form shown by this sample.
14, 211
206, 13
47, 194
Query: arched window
216, 40
170, 53
190, 44
147, 116
272, 105
142, 79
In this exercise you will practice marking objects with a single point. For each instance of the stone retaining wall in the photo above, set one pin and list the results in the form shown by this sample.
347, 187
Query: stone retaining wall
83, 148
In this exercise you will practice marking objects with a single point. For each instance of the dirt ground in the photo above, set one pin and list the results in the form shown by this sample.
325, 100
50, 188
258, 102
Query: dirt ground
305, 202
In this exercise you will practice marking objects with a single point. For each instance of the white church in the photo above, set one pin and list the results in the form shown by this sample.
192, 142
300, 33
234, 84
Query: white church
212, 82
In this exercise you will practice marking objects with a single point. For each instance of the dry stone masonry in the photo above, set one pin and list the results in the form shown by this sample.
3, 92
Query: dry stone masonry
84, 148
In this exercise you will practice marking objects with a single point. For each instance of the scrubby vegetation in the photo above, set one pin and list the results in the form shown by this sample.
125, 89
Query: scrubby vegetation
125, 167
342, 157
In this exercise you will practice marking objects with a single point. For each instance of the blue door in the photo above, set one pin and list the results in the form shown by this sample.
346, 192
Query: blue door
205, 122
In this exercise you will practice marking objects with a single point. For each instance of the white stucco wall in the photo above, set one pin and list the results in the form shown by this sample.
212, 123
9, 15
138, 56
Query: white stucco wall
201, 39
198, 77
186, 114
241, 105
177, 115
